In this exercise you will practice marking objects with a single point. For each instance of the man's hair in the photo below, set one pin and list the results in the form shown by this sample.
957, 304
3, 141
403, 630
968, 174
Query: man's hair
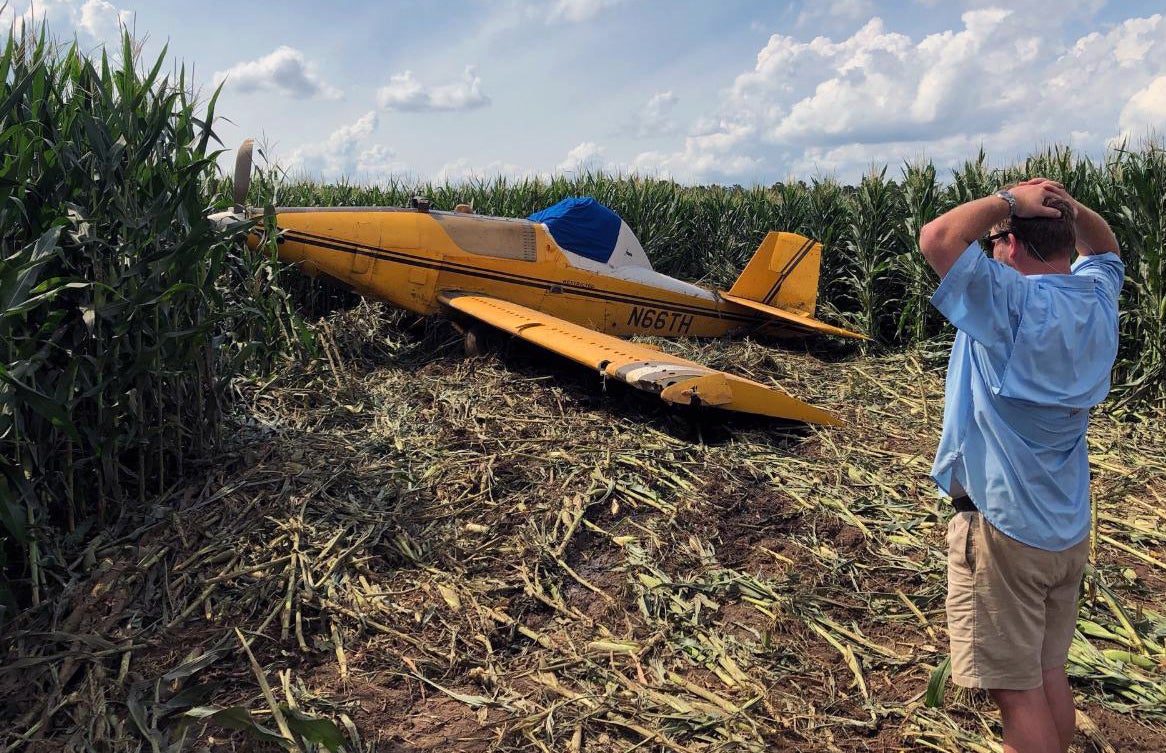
1046, 238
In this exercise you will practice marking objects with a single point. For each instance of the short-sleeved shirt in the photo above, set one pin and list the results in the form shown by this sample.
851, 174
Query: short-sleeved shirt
1032, 355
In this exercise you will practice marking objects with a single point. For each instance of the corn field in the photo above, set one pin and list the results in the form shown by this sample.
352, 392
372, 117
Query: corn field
223, 527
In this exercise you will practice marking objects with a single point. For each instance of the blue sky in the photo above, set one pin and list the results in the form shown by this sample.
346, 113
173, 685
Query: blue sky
728, 91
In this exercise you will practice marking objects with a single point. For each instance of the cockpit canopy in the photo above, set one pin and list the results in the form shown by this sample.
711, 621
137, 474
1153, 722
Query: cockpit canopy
586, 228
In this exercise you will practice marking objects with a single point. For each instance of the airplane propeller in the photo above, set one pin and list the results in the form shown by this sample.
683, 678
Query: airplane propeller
229, 220
243, 173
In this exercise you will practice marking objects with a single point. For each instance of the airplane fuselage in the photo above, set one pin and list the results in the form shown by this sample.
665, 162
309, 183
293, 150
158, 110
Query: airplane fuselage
409, 258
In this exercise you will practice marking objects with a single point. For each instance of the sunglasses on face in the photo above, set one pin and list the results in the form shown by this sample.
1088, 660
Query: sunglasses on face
988, 242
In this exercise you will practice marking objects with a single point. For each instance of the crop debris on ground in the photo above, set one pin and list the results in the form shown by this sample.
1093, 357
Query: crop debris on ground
405, 549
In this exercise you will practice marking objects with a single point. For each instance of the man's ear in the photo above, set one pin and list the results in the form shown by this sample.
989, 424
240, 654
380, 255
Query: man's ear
1014, 249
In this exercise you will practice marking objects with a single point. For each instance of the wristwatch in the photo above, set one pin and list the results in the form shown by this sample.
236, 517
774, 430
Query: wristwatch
1007, 196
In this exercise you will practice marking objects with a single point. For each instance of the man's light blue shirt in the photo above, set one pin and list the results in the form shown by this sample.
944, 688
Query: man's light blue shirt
1031, 356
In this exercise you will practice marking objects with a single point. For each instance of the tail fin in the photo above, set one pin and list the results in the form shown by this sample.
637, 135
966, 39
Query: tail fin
781, 281
783, 273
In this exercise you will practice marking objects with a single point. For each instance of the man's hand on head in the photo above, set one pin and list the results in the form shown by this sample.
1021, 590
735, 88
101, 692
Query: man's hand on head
1094, 236
945, 238
1033, 196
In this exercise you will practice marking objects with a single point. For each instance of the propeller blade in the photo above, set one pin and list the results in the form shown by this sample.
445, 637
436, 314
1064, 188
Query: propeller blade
243, 173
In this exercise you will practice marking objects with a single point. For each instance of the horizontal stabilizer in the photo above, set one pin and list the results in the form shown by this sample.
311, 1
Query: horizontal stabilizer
796, 321
674, 379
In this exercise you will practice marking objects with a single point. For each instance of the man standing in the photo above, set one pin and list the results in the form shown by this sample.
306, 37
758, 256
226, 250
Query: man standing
1036, 340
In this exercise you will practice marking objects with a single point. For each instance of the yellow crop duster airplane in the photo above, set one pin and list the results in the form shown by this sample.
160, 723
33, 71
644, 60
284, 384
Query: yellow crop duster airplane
572, 279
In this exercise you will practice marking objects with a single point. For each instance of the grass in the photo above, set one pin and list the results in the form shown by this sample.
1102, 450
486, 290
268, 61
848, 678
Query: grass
440, 553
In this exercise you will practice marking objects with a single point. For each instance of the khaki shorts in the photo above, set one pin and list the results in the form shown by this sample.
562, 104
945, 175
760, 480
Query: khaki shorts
1011, 608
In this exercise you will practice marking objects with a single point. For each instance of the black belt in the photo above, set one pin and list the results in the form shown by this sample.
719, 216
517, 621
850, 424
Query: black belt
964, 503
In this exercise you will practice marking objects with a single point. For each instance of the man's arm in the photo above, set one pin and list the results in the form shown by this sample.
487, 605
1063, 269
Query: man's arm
1094, 235
946, 237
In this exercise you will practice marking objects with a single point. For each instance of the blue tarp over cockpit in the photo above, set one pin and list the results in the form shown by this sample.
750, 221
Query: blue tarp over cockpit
582, 225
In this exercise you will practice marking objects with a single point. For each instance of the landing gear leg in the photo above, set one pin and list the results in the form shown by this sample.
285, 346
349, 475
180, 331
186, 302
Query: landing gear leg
475, 340
696, 417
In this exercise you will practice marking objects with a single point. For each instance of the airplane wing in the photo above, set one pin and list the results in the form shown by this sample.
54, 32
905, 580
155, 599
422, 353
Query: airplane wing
796, 321
674, 379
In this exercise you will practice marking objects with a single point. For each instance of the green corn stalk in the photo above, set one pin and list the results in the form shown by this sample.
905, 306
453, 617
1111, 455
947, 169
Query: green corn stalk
922, 200
871, 248
117, 333
1135, 204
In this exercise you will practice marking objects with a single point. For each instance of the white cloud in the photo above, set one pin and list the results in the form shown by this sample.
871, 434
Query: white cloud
586, 157
462, 171
877, 86
342, 154
835, 11
1092, 85
854, 160
286, 71
508, 16
713, 154
1145, 110
655, 117
1005, 80
93, 21
378, 162
101, 20
575, 11
405, 92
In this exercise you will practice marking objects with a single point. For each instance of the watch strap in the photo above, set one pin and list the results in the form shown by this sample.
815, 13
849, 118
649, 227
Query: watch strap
1007, 196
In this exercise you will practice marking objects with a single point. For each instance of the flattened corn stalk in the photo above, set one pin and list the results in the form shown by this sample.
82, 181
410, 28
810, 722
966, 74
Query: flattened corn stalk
409, 561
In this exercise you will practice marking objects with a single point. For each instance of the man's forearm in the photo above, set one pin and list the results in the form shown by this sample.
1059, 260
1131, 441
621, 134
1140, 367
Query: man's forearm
946, 237
1094, 235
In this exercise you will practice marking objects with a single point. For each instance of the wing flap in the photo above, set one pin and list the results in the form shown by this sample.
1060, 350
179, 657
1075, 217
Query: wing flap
675, 380
800, 321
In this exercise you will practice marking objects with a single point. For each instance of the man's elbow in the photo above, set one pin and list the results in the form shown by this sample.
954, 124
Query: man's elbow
933, 240
940, 246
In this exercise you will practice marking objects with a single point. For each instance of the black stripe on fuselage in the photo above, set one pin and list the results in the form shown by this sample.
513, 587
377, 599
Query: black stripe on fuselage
787, 270
400, 257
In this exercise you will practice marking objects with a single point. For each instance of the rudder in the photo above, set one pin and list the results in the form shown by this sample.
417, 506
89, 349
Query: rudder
783, 273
